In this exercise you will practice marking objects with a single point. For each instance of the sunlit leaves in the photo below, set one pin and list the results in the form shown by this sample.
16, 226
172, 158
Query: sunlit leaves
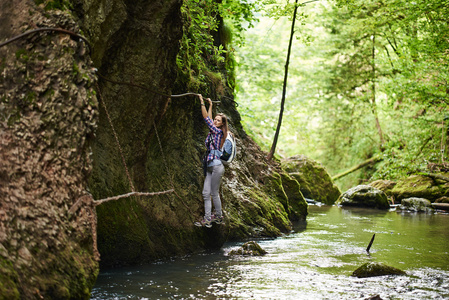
329, 106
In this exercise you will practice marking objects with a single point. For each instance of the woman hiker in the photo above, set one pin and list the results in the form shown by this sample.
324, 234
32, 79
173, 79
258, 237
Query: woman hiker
218, 131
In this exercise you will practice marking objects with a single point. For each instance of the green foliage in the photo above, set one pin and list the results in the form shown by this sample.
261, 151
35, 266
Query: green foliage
206, 44
331, 110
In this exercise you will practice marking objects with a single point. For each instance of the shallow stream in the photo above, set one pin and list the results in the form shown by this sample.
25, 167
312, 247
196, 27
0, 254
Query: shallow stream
313, 262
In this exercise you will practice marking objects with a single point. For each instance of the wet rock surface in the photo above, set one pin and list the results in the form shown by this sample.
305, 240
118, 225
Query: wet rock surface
376, 269
249, 249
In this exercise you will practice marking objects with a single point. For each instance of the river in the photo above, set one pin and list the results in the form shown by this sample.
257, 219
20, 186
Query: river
315, 261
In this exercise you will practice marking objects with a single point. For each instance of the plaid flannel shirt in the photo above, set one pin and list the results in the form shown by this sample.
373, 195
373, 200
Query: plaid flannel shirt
215, 135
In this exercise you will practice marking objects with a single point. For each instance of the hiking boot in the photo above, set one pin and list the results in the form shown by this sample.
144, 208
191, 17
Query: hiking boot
204, 222
217, 220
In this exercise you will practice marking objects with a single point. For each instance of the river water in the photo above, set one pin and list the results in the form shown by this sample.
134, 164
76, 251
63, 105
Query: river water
313, 262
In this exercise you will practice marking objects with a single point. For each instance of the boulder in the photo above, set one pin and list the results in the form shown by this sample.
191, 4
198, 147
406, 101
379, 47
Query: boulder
249, 249
315, 182
416, 204
384, 185
364, 196
441, 203
421, 186
373, 269
442, 200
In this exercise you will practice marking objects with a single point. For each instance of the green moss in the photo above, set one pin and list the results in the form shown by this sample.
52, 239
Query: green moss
315, 182
30, 97
65, 274
272, 215
75, 69
364, 196
420, 186
74, 274
376, 269
249, 249
22, 55
8, 281
297, 204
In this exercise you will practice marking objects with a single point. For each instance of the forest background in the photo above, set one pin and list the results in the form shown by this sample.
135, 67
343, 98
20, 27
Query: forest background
367, 80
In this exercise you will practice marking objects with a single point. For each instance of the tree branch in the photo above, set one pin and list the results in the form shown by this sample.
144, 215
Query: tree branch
367, 162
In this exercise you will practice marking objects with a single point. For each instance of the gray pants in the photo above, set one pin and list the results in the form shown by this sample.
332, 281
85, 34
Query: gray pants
211, 189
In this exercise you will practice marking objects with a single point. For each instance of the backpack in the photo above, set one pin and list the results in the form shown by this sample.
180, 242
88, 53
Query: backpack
229, 150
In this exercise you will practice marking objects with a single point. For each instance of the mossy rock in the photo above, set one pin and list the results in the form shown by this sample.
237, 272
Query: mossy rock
384, 185
364, 196
297, 205
287, 191
416, 204
376, 269
442, 200
315, 182
9, 280
421, 186
249, 249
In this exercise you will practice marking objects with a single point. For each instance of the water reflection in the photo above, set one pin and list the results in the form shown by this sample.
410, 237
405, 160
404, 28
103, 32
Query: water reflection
314, 262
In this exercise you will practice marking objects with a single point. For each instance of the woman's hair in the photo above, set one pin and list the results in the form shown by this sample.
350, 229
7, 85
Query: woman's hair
224, 128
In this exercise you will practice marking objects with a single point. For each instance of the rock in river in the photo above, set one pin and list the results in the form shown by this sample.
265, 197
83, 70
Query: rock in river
250, 248
364, 196
373, 269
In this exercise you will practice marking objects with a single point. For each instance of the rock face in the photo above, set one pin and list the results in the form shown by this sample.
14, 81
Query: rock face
162, 141
376, 269
364, 196
47, 119
57, 145
314, 180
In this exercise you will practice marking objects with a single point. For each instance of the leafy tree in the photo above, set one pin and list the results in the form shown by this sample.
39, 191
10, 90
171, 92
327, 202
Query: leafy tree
368, 78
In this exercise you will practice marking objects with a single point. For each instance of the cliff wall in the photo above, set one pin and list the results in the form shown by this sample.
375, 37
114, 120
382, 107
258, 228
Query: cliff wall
58, 146
48, 114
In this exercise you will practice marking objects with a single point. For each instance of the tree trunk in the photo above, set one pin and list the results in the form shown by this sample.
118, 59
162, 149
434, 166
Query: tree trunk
373, 99
281, 112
